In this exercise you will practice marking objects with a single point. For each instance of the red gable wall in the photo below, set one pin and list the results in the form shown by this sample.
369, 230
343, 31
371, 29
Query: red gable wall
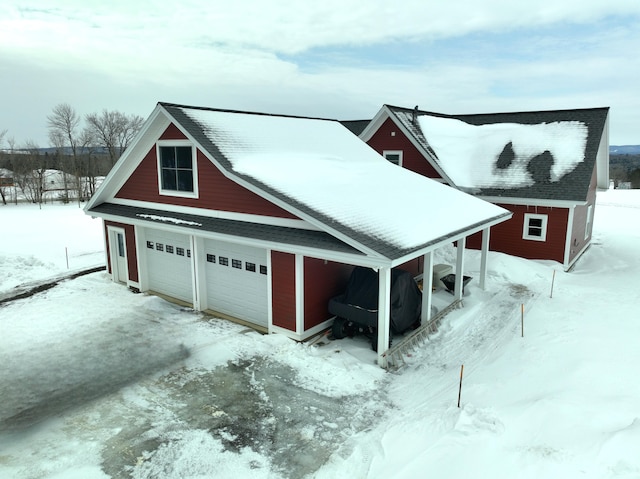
390, 137
216, 191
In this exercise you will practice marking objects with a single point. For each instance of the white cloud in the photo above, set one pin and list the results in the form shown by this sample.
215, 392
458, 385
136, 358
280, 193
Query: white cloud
128, 55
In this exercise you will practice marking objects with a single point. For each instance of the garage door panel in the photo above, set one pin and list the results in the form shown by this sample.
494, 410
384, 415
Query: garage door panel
169, 264
237, 280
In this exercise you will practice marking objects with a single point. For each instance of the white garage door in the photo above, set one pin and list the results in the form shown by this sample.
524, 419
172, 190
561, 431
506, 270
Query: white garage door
169, 264
237, 280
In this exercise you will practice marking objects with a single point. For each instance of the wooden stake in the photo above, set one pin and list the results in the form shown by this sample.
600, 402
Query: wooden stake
522, 319
553, 278
460, 389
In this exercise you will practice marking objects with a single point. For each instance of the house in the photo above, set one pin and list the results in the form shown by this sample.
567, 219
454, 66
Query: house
543, 166
261, 218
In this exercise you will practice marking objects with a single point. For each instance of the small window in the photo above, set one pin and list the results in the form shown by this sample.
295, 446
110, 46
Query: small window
394, 156
263, 269
150, 244
159, 247
224, 261
176, 168
169, 249
211, 258
180, 251
188, 253
250, 267
535, 227
236, 263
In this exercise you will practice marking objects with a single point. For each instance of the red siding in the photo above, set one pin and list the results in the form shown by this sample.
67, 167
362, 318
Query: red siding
322, 281
283, 289
216, 192
132, 254
390, 137
507, 238
172, 133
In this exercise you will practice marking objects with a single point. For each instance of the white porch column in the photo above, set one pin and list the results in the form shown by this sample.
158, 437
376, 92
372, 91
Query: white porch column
457, 292
483, 257
384, 313
427, 287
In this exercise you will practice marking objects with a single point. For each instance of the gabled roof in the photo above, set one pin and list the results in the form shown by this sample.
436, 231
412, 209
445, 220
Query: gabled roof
355, 126
547, 155
322, 173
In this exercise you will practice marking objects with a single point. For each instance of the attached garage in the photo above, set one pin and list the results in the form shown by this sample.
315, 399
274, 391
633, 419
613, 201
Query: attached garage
169, 263
237, 281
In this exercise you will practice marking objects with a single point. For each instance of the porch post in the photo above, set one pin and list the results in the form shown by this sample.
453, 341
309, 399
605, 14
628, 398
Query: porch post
457, 291
427, 287
483, 258
384, 313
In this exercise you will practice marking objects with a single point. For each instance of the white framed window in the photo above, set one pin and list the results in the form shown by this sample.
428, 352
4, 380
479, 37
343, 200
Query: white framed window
177, 168
587, 227
394, 156
535, 227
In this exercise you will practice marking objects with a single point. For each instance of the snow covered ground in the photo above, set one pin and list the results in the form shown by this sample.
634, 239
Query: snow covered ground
99, 382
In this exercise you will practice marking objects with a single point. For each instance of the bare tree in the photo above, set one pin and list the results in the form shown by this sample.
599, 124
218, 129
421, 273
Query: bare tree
4, 179
63, 127
114, 130
29, 170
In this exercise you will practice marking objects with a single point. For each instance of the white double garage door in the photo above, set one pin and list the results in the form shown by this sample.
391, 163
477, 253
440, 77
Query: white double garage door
236, 275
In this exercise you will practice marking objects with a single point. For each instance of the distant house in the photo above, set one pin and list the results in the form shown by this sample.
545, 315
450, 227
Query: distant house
544, 166
261, 218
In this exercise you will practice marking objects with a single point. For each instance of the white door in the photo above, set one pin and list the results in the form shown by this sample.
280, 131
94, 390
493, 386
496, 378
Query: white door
237, 281
169, 264
118, 248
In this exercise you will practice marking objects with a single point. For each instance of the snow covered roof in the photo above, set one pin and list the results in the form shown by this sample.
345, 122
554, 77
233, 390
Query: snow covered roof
543, 155
320, 171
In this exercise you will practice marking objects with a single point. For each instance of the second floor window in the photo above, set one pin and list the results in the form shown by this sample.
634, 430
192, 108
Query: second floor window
176, 169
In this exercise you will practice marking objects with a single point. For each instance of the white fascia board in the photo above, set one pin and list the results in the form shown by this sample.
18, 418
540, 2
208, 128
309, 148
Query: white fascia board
124, 168
602, 158
450, 239
277, 201
420, 148
531, 201
319, 253
375, 124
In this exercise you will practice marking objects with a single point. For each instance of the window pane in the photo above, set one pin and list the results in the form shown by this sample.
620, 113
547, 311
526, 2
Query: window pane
536, 222
185, 180
168, 156
535, 231
183, 154
169, 179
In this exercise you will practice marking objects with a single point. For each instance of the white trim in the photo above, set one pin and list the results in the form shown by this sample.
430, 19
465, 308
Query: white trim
140, 146
375, 124
567, 240
543, 227
270, 325
529, 201
589, 223
299, 285
459, 285
427, 287
219, 214
486, 235
337, 256
141, 244
194, 168
393, 152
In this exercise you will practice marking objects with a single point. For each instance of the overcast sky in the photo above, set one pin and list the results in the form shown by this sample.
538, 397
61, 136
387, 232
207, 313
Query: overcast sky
333, 58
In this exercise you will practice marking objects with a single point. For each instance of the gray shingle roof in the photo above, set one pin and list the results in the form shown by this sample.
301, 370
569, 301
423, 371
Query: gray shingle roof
257, 231
573, 186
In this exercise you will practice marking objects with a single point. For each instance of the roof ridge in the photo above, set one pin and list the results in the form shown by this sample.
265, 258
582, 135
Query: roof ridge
258, 113
496, 113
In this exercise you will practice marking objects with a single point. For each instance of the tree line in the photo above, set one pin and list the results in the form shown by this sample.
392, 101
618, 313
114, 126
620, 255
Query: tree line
625, 168
83, 149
